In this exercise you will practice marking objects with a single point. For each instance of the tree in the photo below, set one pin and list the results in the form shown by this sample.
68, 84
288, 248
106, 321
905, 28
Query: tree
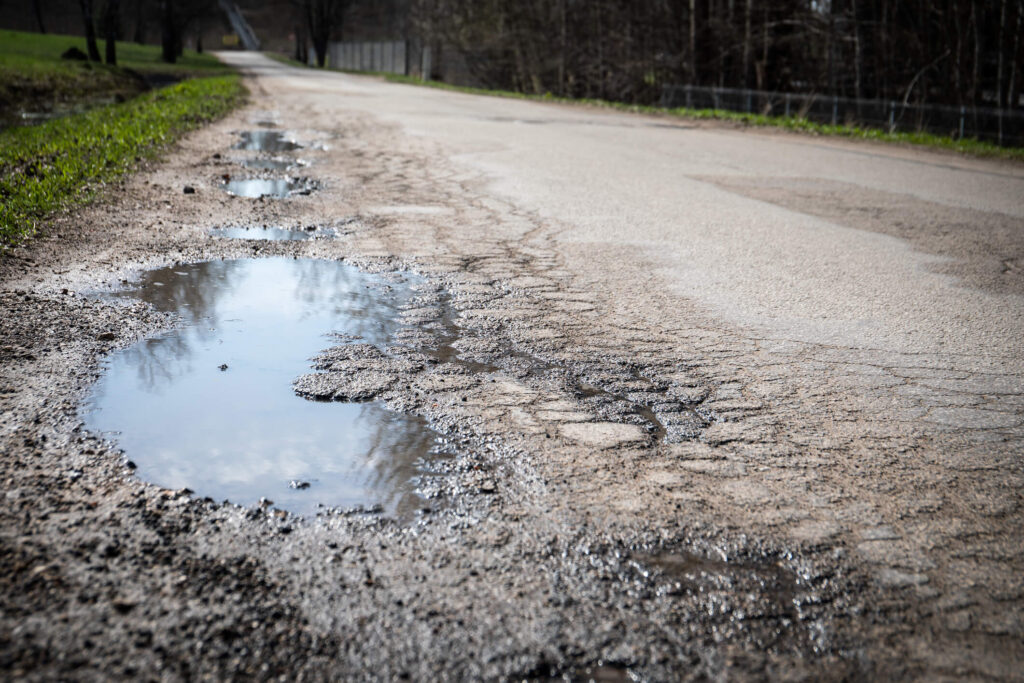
90, 30
110, 20
37, 9
323, 17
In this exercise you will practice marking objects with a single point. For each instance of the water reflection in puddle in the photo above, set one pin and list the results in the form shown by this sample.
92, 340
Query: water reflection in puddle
266, 141
265, 187
210, 406
270, 164
271, 234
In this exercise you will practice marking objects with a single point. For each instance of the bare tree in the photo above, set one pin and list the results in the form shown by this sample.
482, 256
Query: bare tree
90, 30
323, 17
110, 20
37, 9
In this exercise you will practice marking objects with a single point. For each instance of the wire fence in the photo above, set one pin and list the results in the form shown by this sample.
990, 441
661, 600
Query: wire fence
1001, 126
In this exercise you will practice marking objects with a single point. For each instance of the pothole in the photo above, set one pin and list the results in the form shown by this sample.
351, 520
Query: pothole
265, 141
278, 188
210, 407
272, 234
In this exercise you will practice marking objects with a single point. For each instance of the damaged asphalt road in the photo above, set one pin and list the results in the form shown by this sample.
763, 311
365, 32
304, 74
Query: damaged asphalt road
792, 459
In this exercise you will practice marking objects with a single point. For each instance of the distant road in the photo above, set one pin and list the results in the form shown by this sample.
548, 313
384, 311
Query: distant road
788, 233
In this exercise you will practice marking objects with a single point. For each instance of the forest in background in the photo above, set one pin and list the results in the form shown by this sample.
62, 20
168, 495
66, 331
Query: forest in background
956, 52
959, 52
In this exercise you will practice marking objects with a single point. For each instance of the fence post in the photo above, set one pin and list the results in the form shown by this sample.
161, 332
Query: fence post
787, 105
689, 97
748, 102
835, 109
963, 115
714, 98
892, 117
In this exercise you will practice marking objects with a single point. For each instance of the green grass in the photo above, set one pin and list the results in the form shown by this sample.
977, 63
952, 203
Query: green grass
62, 163
966, 146
33, 77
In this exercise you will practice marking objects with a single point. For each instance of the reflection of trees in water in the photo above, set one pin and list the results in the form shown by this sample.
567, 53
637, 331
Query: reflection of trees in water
196, 292
395, 444
193, 292
369, 310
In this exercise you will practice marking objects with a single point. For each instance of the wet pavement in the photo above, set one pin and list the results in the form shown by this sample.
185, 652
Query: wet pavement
209, 406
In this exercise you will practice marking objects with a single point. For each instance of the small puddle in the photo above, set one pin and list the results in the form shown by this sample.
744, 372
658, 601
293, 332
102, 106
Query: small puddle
254, 188
210, 406
266, 141
272, 234
271, 164
759, 580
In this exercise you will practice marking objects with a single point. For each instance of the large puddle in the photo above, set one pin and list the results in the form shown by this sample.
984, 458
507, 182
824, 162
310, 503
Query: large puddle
210, 406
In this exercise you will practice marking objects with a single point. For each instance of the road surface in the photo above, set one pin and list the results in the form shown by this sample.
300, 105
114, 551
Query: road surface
747, 403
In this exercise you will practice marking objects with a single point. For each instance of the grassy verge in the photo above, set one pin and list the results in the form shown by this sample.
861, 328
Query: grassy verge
63, 162
967, 146
34, 78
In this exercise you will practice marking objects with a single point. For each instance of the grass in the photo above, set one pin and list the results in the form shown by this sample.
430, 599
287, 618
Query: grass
965, 146
33, 77
62, 163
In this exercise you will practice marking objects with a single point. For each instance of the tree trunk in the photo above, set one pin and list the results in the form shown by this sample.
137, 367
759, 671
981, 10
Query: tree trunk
693, 42
168, 53
139, 34
110, 30
975, 90
38, 11
90, 30
857, 54
999, 58
300, 44
745, 78
1013, 97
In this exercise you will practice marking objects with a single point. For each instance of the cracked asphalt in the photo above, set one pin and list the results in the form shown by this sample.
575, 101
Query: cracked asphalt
721, 403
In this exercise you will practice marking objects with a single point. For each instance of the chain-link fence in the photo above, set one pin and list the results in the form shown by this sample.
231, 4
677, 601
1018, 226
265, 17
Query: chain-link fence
1001, 126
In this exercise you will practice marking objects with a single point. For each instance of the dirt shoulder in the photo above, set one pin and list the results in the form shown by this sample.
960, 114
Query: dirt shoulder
787, 518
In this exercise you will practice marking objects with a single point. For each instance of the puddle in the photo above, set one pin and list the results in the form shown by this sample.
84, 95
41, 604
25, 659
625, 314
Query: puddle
272, 234
271, 164
760, 581
254, 188
210, 406
266, 141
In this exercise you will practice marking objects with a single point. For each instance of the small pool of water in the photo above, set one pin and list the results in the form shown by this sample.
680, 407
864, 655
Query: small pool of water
270, 164
266, 141
271, 234
278, 188
210, 406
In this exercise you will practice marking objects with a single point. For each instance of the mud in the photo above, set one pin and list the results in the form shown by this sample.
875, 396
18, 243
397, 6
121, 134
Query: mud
805, 521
